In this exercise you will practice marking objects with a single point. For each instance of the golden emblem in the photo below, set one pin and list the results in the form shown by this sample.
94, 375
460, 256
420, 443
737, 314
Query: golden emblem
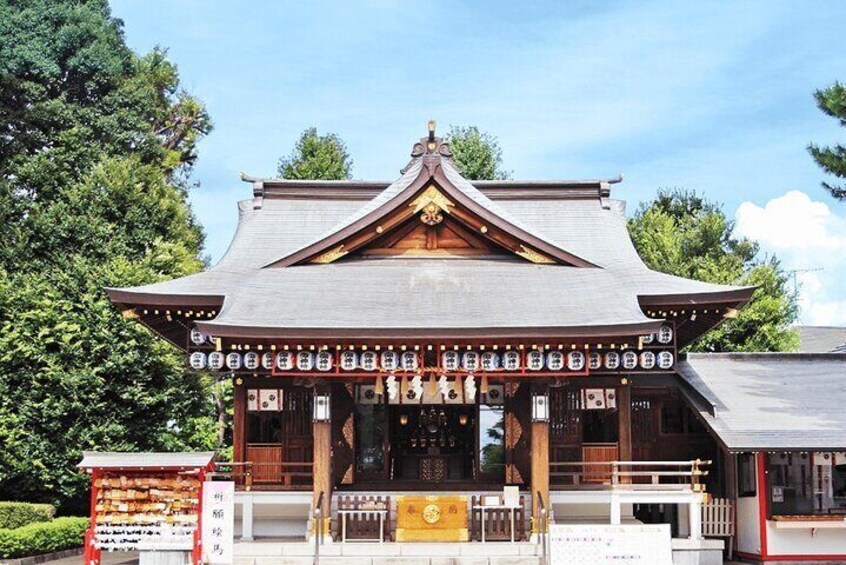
431, 514
431, 215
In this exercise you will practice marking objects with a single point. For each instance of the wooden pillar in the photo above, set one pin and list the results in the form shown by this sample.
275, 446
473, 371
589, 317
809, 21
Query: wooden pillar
239, 421
624, 422
322, 467
540, 464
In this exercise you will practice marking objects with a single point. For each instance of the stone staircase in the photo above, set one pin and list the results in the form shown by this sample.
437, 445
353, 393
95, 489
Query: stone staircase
302, 553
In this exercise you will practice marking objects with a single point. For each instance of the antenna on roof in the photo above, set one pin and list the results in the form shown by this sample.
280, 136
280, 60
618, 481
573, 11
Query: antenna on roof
432, 144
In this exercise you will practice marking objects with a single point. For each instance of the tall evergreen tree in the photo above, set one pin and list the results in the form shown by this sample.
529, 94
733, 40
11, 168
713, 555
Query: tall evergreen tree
832, 101
683, 234
317, 157
95, 161
476, 153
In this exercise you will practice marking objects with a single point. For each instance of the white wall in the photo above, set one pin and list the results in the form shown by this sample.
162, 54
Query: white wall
803, 542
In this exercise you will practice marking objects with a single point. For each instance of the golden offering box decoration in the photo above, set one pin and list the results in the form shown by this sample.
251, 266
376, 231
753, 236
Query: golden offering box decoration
432, 518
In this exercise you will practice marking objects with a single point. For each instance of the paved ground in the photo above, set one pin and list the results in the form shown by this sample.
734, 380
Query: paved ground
108, 559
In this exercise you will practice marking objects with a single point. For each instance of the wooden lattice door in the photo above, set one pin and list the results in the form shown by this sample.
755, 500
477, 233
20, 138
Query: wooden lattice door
644, 427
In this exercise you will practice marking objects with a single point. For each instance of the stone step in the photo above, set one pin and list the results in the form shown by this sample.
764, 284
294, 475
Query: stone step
293, 553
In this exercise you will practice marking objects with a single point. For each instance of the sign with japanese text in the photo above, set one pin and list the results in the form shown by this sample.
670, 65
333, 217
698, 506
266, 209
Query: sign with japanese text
218, 521
645, 544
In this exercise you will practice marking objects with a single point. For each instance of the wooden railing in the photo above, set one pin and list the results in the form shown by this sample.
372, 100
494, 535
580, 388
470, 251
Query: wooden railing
639, 475
284, 475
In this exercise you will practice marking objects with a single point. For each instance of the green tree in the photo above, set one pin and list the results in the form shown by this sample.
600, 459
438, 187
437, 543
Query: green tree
95, 164
317, 157
476, 153
683, 234
832, 101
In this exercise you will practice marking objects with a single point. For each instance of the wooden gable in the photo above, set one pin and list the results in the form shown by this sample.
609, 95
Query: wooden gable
432, 224
448, 237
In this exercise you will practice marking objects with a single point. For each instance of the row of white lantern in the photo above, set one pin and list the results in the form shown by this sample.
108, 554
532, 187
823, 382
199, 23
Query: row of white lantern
469, 361
664, 336
305, 360
537, 360
629, 360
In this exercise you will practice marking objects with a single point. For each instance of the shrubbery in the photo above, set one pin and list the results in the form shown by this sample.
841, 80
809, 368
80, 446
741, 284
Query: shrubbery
42, 537
16, 514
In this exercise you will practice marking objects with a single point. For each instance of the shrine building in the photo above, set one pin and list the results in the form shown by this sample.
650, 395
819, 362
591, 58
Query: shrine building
435, 336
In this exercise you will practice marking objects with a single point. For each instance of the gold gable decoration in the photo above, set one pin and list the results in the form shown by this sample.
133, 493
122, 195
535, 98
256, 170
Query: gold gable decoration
431, 196
331, 255
533, 256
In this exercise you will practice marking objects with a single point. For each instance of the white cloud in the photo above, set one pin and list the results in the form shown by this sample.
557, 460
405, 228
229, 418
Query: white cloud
810, 239
827, 313
793, 223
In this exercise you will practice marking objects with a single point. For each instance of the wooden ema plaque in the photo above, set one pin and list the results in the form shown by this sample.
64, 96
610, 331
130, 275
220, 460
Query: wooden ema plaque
432, 518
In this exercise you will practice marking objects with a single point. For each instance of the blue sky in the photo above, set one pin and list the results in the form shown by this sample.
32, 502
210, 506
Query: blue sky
712, 96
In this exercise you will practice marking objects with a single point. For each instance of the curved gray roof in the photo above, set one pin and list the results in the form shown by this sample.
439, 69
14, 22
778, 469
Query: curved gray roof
428, 293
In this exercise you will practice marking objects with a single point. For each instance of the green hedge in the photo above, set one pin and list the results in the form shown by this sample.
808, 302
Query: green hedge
43, 537
16, 514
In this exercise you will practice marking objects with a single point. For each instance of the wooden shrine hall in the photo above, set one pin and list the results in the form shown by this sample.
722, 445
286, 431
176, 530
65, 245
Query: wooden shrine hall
433, 335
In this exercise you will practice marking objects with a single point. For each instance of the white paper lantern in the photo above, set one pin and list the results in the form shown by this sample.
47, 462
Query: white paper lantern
267, 361
325, 361
665, 360
305, 360
629, 360
612, 360
450, 361
349, 360
251, 360
490, 361
534, 360
647, 360
511, 360
575, 360
197, 337
233, 361
389, 360
665, 334
409, 360
369, 361
595, 361
647, 339
555, 360
285, 360
216, 360
470, 361
198, 360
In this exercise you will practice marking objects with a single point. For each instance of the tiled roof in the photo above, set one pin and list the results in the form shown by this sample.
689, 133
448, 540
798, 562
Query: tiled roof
426, 292
770, 401
822, 339
117, 460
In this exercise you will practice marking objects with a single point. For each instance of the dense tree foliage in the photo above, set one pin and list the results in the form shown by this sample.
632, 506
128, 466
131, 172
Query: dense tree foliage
683, 234
317, 157
96, 151
476, 153
832, 101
